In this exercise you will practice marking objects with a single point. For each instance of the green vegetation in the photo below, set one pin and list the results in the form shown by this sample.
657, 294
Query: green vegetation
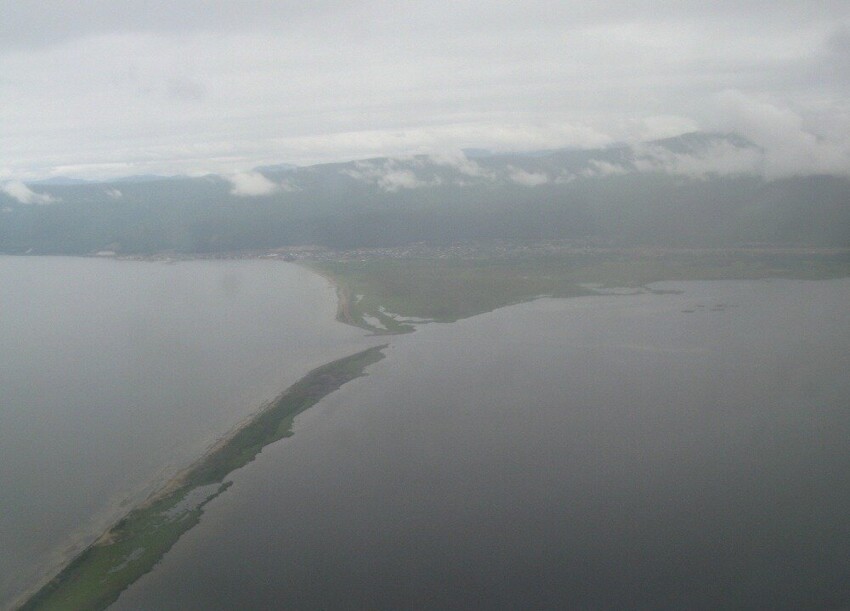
439, 289
95, 578
449, 289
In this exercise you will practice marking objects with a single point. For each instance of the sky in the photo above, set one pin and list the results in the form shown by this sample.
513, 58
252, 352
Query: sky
99, 89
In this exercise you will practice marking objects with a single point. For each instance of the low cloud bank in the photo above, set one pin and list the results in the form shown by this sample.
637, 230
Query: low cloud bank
25, 195
720, 158
759, 139
527, 179
597, 167
251, 184
790, 148
457, 160
389, 175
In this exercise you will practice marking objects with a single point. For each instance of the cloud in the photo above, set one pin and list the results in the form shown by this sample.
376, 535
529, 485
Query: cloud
185, 89
251, 184
211, 85
665, 126
718, 158
114, 194
597, 167
25, 195
389, 176
790, 149
400, 179
527, 179
460, 162
286, 185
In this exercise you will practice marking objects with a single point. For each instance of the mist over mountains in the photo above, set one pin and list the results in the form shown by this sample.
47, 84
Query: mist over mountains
699, 189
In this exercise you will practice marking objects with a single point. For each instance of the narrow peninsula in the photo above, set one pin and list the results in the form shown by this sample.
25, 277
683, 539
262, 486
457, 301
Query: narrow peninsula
131, 548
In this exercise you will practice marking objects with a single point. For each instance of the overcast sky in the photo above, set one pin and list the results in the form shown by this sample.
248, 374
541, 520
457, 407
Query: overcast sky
99, 88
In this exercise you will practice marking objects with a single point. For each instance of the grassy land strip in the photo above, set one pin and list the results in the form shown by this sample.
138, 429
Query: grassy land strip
131, 548
448, 289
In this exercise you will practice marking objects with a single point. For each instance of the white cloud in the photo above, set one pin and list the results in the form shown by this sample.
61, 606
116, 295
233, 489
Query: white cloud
389, 176
251, 184
460, 162
286, 185
114, 194
25, 195
527, 179
790, 149
186, 89
181, 90
719, 158
597, 167
400, 179
665, 126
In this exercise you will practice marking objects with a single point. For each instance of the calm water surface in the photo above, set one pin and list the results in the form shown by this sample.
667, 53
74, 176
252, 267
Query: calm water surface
602, 452
113, 374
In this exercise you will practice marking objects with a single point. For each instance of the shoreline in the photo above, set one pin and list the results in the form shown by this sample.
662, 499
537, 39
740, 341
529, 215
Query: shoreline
163, 481
132, 546
343, 294
348, 311
470, 249
177, 482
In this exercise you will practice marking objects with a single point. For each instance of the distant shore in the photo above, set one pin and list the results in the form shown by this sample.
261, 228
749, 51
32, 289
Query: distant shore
491, 249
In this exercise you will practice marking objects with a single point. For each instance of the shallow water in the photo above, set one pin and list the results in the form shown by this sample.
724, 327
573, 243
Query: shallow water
114, 374
602, 452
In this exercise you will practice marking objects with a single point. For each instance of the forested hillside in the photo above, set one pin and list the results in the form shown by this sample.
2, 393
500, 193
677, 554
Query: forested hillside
694, 190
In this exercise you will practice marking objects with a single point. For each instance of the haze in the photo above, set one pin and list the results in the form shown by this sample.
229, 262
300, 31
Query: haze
424, 305
103, 90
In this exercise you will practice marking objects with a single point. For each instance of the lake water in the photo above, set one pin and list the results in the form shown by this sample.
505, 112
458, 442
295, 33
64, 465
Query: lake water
114, 374
678, 451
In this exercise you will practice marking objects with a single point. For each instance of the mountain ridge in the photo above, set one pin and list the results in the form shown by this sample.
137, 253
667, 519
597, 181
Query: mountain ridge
698, 189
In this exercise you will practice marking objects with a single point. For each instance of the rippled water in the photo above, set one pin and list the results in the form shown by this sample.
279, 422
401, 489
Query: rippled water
113, 374
685, 451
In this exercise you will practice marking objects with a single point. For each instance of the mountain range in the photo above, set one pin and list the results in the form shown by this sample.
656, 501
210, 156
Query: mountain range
700, 189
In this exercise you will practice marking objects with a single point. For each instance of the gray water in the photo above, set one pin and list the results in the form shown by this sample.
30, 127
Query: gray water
600, 452
114, 374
